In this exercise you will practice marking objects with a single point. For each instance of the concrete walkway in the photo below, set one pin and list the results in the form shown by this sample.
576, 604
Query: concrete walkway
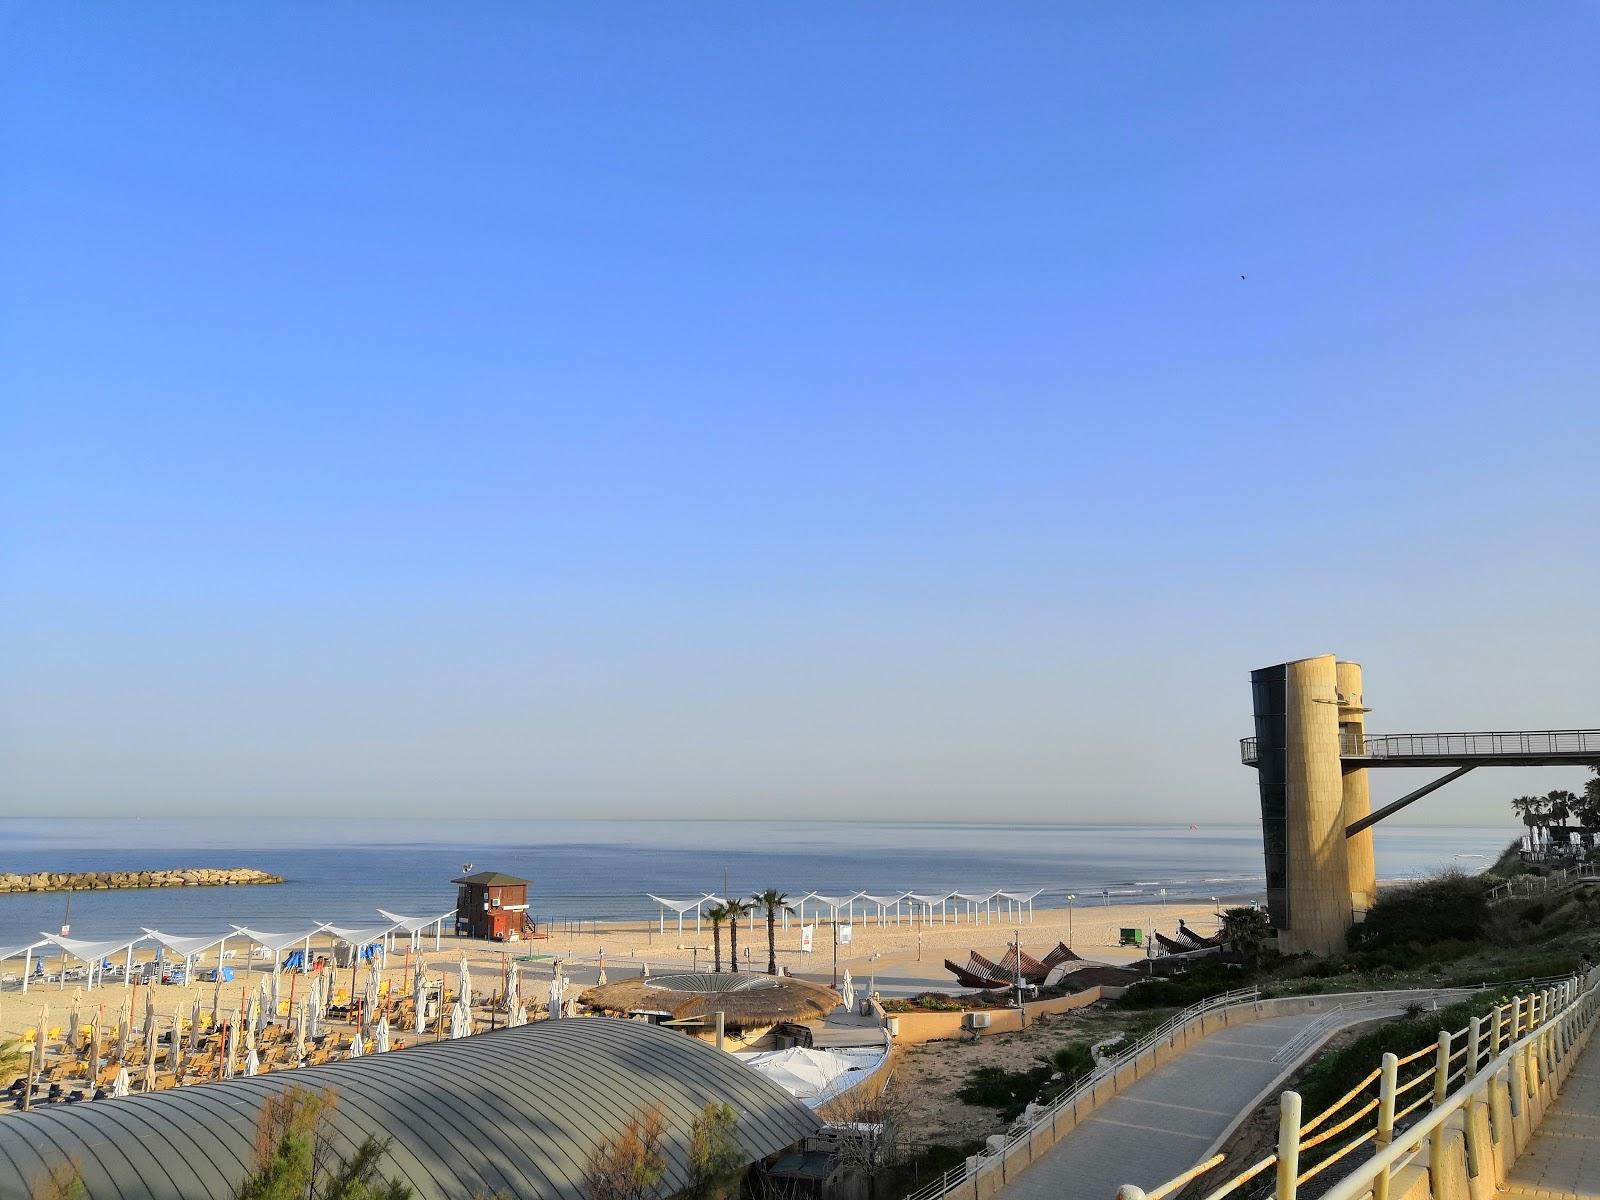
1163, 1124
1563, 1160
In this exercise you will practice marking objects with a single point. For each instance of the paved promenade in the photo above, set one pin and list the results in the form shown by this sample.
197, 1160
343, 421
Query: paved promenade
1163, 1124
1563, 1160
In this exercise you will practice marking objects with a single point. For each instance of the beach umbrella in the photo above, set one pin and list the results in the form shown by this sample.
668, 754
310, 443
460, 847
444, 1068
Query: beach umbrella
252, 1062
848, 992
513, 986
149, 1054
74, 1022
381, 1045
229, 1045
300, 1032
124, 1028
149, 1010
121, 1085
555, 995
600, 982
194, 1027
175, 1046
275, 993
519, 1016
464, 987
266, 1008
460, 1019
370, 1002
37, 1067
355, 1045
644, 972
91, 1055
419, 1005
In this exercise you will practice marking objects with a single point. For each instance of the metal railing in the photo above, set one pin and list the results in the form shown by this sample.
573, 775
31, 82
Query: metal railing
1509, 1054
1511, 744
1021, 1130
1529, 887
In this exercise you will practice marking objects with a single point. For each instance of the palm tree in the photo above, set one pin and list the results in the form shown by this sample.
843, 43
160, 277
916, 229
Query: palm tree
774, 902
716, 916
1529, 808
733, 910
1560, 803
14, 1058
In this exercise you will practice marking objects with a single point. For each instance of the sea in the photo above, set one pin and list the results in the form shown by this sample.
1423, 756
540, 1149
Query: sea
343, 871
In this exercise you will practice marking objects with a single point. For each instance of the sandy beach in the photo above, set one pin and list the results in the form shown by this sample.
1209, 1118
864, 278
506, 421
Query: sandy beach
900, 958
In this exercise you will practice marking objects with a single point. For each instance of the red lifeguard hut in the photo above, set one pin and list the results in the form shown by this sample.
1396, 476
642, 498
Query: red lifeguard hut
493, 905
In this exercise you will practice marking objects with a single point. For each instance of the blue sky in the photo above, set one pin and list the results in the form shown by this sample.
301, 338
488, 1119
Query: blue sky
613, 410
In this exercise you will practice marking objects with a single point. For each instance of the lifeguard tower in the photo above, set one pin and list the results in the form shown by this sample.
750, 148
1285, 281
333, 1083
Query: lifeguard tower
494, 906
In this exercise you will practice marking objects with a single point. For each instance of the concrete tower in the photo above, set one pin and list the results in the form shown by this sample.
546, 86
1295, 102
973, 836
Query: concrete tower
1357, 799
1312, 753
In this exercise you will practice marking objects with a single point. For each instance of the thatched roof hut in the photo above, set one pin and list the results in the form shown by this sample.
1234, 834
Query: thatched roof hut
746, 1001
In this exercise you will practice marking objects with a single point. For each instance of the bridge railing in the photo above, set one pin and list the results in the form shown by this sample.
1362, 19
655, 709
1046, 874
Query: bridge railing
1522, 743
1511, 1060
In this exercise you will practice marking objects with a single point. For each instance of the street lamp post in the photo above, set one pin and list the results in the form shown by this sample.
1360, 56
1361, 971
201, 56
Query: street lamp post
1070, 899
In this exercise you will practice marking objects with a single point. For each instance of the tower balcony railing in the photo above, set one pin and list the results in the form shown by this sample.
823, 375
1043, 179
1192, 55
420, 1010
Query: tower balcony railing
1508, 744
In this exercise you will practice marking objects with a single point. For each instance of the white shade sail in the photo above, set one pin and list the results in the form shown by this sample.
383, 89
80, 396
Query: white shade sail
187, 947
361, 937
93, 951
17, 951
413, 924
277, 942
1021, 897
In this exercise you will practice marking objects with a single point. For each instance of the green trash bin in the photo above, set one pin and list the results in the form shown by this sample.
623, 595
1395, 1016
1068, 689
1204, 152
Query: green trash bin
1132, 937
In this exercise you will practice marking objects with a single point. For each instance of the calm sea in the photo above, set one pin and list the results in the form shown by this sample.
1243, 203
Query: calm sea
342, 871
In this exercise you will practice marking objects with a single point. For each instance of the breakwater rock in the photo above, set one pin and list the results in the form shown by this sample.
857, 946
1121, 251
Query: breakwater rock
94, 881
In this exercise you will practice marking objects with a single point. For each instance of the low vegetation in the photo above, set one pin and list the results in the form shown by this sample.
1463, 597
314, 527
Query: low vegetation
1012, 1091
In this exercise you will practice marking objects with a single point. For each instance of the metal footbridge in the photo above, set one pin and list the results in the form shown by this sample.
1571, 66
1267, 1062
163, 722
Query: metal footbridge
1462, 751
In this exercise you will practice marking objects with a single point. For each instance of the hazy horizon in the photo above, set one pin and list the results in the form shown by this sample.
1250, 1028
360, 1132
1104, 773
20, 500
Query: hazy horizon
840, 413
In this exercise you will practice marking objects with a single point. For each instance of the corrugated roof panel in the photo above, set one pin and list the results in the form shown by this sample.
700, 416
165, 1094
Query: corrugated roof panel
518, 1112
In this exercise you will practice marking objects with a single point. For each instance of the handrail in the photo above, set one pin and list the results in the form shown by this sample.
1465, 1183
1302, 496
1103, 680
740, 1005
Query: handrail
1492, 743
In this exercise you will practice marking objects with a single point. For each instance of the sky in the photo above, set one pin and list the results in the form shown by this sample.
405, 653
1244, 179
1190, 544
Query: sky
854, 411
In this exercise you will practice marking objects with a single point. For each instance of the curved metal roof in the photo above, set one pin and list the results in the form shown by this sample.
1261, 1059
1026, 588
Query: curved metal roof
516, 1112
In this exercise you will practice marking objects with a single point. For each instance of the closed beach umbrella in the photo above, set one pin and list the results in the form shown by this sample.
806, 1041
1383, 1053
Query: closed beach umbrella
513, 986
555, 996
91, 1056
419, 994
266, 1008
644, 973
460, 1019
381, 1043
276, 992
464, 987
149, 1010
124, 1029
370, 1007
74, 1022
194, 1027
149, 1054
121, 1085
250, 1006
230, 1046
300, 1032
252, 1062
601, 982
175, 1046
519, 1016
355, 1045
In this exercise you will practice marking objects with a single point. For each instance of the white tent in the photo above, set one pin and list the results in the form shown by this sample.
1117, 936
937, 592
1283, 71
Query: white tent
1015, 901
27, 958
359, 939
805, 1074
413, 926
929, 902
680, 907
94, 954
190, 948
885, 904
976, 902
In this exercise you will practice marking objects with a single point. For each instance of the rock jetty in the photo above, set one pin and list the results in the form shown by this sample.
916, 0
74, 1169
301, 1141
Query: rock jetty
94, 881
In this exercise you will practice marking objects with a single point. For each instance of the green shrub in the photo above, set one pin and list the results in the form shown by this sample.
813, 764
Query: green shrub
1451, 908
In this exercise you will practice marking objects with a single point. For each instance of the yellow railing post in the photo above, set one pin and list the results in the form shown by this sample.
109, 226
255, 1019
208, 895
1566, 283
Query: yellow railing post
1441, 1087
1288, 1146
1385, 1134
1474, 1045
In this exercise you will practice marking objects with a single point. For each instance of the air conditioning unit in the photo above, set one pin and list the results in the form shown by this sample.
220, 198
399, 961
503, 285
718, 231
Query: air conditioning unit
978, 1020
